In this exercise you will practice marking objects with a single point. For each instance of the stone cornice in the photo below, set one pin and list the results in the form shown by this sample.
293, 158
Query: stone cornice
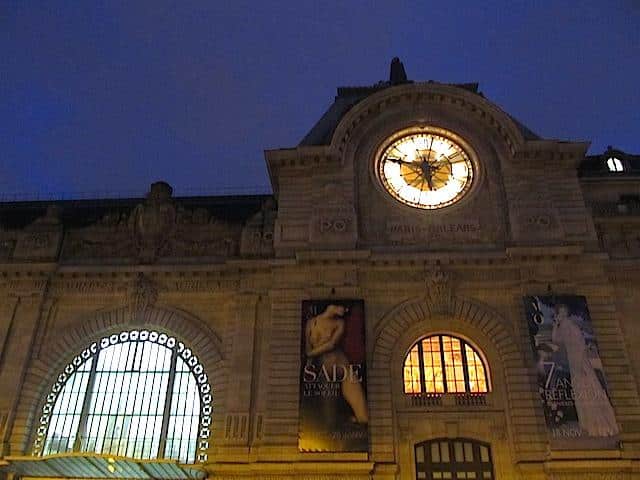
570, 153
295, 158
254, 274
332, 468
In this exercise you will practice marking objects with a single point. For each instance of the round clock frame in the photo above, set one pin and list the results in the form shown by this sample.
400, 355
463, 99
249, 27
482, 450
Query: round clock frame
435, 167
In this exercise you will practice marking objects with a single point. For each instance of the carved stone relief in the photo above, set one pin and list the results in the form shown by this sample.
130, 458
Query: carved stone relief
439, 290
155, 228
153, 223
257, 234
142, 294
40, 240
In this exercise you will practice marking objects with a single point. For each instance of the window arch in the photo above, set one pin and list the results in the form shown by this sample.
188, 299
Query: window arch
440, 364
453, 458
139, 393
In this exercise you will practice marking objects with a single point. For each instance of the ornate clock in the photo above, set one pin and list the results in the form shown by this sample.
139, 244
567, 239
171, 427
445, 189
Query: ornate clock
425, 169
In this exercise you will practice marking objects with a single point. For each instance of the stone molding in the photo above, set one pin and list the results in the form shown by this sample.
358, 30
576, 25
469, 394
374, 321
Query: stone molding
475, 105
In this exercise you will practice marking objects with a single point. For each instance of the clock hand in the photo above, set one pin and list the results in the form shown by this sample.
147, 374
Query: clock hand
398, 161
427, 173
430, 182
440, 162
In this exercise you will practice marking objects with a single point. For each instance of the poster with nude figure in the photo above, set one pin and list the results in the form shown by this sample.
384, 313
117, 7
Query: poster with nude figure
571, 381
334, 415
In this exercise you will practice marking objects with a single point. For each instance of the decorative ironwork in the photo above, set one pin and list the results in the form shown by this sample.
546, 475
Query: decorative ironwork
425, 400
139, 393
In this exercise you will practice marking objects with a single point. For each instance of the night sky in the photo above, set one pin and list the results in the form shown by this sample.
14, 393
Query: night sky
102, 98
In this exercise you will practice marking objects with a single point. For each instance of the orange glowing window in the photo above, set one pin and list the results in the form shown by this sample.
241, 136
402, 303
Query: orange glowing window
444, 364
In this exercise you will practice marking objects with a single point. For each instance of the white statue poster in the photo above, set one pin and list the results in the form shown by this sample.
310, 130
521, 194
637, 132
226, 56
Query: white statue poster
571, 380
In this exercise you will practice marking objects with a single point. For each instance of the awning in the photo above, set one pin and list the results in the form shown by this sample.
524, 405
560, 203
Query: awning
93, 465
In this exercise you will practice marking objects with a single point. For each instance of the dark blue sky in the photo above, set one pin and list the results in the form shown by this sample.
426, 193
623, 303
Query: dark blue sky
110, 96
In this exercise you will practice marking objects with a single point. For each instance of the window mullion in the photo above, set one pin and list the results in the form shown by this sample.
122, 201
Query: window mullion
167, 404
84, 413
465, 367
124, 395
423, 383
444, 366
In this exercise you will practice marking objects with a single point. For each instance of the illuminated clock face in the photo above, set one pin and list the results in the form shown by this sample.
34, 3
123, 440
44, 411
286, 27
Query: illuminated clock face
425, 170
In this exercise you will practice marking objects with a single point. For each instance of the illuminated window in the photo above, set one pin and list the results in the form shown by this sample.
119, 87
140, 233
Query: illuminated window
444, 364
614, 164
453, 458
140, 394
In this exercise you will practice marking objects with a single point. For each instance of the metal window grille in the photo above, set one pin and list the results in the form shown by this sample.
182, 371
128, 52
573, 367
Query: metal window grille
140, 394
444, 364
453, 458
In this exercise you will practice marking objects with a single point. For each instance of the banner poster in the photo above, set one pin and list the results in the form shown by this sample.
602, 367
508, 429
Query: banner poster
571, 381
333, 405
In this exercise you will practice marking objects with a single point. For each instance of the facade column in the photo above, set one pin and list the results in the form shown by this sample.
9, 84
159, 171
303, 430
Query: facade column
21, 324
238, 423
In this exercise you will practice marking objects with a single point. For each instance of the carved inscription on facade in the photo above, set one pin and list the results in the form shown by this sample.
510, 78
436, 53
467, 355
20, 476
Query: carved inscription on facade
335, 225
536, 222
83, 287
196, 286
407, 233
333, 221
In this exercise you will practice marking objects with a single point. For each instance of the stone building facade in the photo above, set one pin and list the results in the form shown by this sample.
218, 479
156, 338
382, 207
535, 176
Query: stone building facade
227, 277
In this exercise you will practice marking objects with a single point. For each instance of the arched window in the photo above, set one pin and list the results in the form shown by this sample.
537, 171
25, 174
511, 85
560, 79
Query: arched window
453, 458
614, 164
444, 364
140, 394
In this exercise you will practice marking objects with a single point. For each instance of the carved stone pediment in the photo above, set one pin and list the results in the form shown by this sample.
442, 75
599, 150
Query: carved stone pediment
155, 228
